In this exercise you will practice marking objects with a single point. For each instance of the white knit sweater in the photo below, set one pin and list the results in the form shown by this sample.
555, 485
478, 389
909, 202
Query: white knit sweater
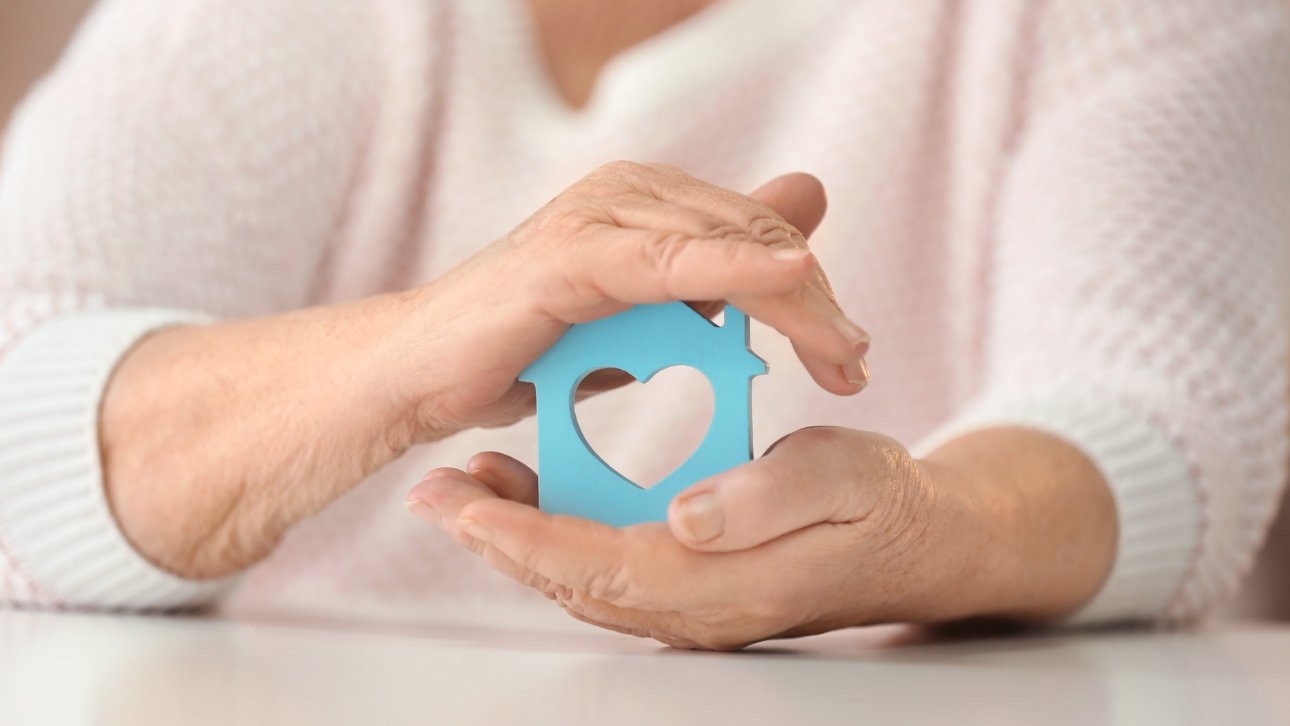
1071, 214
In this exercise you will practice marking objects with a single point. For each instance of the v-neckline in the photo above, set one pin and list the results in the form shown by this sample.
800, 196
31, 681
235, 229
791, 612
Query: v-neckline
696, 53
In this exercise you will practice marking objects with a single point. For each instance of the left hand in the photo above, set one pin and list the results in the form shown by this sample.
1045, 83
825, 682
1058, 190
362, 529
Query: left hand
831, 528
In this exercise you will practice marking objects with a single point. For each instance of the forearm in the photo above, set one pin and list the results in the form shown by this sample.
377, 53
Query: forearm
216, 439
1035, 518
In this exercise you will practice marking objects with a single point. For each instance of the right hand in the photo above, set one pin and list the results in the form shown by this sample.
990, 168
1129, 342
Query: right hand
625, 234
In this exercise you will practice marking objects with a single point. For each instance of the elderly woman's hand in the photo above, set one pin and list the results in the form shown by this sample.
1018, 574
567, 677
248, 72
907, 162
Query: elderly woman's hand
284, 413
831, 528
626, 234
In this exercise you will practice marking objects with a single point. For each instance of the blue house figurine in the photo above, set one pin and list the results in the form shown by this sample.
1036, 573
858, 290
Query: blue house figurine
642, 341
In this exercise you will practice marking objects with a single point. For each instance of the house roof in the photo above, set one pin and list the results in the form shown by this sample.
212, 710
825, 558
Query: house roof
647, 338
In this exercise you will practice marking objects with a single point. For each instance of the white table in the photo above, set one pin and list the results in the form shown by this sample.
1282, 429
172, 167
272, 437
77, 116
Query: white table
70, 669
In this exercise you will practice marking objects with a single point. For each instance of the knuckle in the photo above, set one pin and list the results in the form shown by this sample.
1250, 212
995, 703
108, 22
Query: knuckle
614, 178
813, 439
729, 232
621, 168
630, 179
620, 582
611, 584
893, 456
845, 485
475, 546
668, 170
535, 581
664, 251
901, 518
770, 228
561, 593
556, 592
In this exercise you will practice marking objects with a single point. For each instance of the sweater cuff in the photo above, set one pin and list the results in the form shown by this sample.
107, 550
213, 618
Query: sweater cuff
1157, 502
55, 520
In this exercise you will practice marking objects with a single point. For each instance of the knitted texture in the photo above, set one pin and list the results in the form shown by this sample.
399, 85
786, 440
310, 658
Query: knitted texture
1068, 214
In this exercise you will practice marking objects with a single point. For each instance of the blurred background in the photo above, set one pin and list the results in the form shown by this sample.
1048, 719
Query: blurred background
33, 33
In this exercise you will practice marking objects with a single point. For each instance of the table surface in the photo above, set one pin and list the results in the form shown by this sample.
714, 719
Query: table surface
68, 669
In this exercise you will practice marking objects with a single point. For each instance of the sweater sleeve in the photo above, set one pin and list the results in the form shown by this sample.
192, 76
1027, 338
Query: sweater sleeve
185, 161
1142, 242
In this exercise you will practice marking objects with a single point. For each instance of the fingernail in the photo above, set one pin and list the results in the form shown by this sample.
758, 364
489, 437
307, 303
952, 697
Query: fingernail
853, 334
487, 476
473, 528
423, 510
856, 372
795, 254
700, 517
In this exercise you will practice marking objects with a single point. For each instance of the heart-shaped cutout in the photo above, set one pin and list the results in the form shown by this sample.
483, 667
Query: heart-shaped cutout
646, 431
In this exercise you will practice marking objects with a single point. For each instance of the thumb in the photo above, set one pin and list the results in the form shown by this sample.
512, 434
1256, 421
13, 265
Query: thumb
798, 198
808, 477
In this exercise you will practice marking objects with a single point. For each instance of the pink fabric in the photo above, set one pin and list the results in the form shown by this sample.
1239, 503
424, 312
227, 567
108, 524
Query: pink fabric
1042, 211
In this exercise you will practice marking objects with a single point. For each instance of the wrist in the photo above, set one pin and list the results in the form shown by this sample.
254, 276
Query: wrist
455, 349
972, 547
379, 365
409, 373
1027, 522
959, 544
938, 540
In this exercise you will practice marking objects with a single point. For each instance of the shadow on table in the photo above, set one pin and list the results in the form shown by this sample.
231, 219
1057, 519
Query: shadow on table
178, 670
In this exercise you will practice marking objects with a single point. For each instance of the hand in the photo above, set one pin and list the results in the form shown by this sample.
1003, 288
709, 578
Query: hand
626, 234
831, 528
285, 413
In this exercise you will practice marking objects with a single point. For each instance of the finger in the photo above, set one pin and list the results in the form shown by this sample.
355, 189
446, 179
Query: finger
617, 626
846, 379
659, 197
830, 345
636, 266
626, 179
665, 627
439, 499
676, 629
809, 477
656, 265
647, 212
801, 201
678, 619
640, 579
798, 198
442, 494
802, 192
509, 477
653, 266
636, 567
